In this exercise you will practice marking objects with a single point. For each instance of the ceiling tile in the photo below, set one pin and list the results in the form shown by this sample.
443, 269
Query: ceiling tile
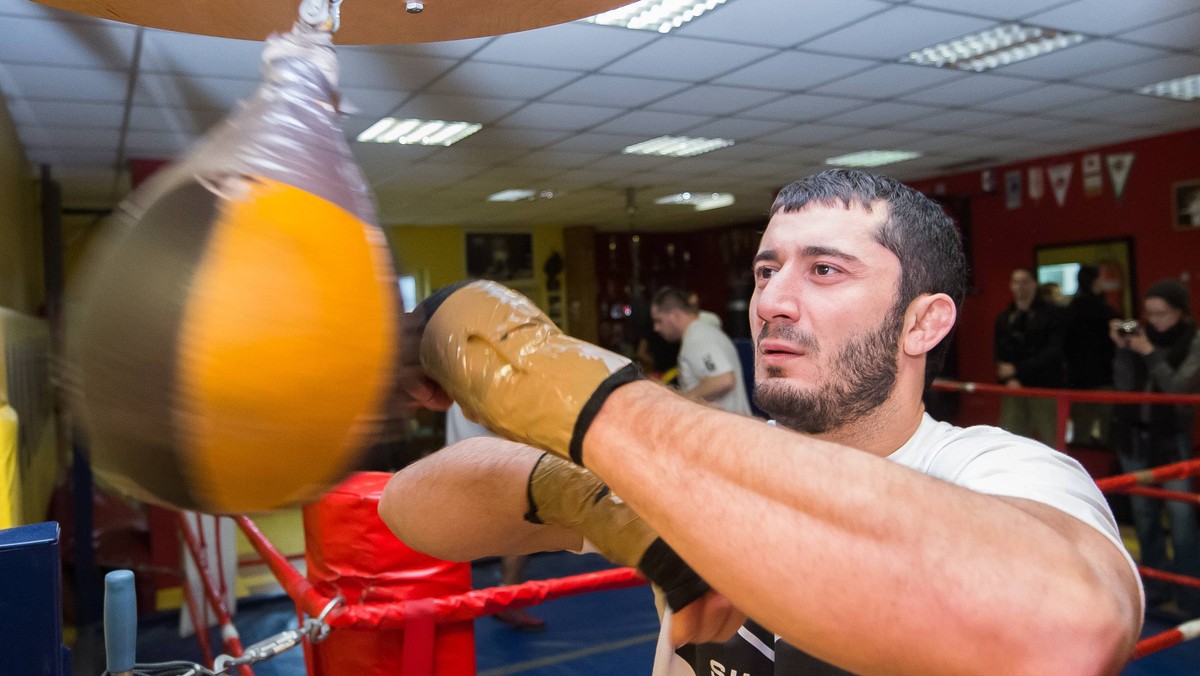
652, 123
954, 120
383, 70
778, 23
1043, 98
615, 90
736, 128
62, 84
1006, 11
575, 45
1178, 33
1139, 75
67, 114
886, 139
881, 115
186, 54
1100, 17
540, 115
681, 58
1087, 57
713, 100
971, 89
465, 108
501, 81
103, 46
811, 134
596, 142
794, 71
888, 80
501, 137
892, 34
802, 107
202, 93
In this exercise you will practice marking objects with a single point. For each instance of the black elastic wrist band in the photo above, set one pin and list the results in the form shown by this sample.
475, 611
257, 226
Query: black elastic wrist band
532, 515
662, 566
623, 376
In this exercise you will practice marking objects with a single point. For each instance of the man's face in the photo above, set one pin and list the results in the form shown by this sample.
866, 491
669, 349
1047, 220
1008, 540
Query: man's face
666, 324
824, 317
1023, 287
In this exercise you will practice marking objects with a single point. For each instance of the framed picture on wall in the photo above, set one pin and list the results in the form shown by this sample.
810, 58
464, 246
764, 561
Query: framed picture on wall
1185, 196
500, 256
1060, 264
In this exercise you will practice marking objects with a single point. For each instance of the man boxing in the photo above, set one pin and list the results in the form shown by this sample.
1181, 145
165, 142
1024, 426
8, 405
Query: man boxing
860, 531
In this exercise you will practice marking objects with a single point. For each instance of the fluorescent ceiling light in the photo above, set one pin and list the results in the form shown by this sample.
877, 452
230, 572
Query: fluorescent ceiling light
518, 194
511, 195
662, 16
418, 132
677, 146
872, 158
995, 47
1181, 88
702, 201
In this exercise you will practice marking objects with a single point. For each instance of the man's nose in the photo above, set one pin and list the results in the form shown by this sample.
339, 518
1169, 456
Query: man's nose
778, 299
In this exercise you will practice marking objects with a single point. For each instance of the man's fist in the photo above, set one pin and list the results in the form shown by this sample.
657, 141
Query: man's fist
513, 370
563, 494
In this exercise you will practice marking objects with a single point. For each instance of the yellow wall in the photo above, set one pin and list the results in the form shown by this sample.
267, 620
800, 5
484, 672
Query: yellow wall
21, 286
436, 255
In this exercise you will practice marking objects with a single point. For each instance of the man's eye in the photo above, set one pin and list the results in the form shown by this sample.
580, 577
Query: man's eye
822, 269
764, 273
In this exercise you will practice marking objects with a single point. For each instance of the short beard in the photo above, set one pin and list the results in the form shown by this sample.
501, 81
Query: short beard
860, 380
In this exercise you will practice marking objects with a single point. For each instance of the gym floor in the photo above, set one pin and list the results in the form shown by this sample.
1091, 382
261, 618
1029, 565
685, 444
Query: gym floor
602, 634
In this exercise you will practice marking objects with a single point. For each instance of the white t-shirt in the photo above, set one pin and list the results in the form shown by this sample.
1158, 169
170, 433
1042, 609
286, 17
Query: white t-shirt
459, 428
706, 351
984, 459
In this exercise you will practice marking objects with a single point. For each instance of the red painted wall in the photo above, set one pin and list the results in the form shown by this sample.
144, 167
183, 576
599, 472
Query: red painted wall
1002, 238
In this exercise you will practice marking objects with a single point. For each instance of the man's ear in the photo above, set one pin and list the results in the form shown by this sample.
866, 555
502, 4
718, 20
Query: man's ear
927, 320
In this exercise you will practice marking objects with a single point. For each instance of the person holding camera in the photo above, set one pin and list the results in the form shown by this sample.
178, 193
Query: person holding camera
1161, 355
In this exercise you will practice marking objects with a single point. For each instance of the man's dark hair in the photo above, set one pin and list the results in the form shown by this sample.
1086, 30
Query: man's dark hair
917, 231
1085, 278
670, 298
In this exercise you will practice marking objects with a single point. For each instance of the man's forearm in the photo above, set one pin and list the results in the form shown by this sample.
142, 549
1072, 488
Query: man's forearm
468, 501
857, 560
712, 388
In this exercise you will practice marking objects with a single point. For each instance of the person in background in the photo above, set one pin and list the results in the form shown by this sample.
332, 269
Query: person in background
1160, 355
1051, 292
709, 368
512, 567
1089, 355
1029, 353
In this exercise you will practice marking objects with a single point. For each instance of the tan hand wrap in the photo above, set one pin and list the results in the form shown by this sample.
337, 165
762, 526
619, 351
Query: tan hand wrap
564, 494
514, 371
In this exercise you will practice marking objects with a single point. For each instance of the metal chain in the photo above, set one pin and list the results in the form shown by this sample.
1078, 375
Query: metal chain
315, 629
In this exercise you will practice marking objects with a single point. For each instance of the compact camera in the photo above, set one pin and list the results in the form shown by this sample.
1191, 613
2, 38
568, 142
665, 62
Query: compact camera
1129, 328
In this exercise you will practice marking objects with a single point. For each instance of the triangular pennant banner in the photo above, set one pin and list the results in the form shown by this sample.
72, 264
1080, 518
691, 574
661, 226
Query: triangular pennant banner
1060, 179
1118, 171
1012, 189
1037, 187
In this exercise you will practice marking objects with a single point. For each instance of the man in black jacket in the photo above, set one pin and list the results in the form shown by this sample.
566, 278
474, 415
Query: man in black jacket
1029, 353
1089, 356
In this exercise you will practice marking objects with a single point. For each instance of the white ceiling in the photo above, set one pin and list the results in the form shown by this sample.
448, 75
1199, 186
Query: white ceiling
792, 81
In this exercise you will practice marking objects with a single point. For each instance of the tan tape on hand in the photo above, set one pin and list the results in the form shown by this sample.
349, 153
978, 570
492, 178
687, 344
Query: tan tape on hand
512, 369
564, 494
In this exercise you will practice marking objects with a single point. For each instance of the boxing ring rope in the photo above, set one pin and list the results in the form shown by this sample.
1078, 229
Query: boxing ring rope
420, 616
1064, 399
